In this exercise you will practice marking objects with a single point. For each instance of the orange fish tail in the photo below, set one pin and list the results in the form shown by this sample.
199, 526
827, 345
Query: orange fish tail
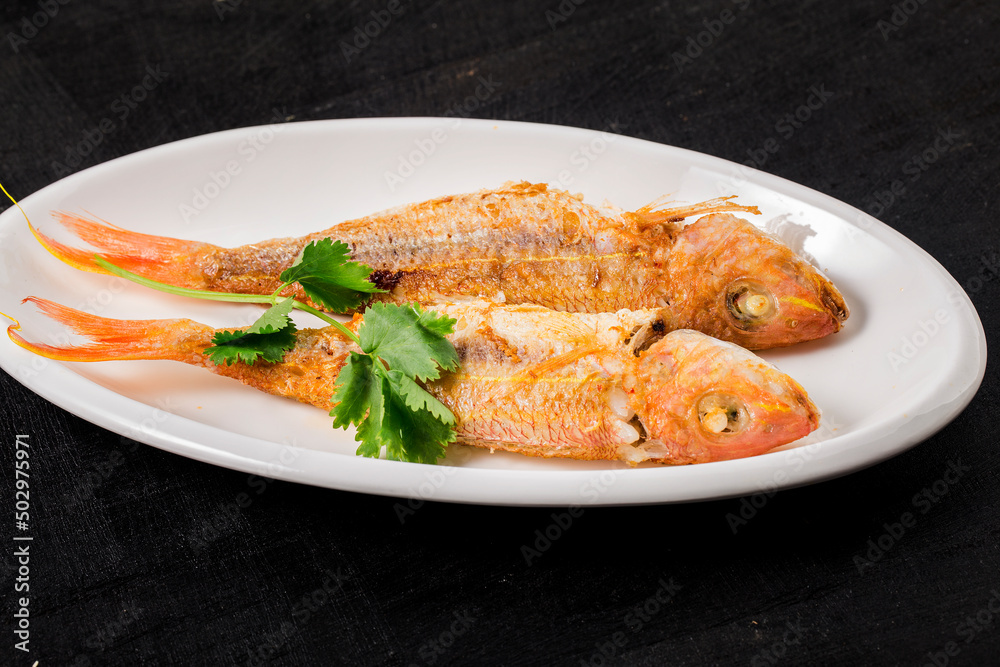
115, 340
168, 260
654, 214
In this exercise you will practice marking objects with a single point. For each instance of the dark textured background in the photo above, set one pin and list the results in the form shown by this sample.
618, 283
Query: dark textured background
118, 576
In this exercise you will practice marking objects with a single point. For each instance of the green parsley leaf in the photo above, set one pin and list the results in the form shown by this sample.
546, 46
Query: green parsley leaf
268, 338
409, 339
388, 407
329, 277
417, 398
384, 406
377, 389
274, 319
359, 388
410, 434
232, 346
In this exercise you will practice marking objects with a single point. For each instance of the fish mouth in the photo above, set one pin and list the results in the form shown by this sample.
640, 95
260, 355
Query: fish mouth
834, 304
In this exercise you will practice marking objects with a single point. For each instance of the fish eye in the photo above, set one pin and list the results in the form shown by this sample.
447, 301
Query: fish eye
722, 413
750, 303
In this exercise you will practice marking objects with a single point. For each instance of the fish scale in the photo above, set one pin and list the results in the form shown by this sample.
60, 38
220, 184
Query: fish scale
613, 386
526, 243
508, 389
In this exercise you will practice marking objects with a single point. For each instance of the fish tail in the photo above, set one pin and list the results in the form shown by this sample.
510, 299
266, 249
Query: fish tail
168, 260
116, 340
309, 375
654, 213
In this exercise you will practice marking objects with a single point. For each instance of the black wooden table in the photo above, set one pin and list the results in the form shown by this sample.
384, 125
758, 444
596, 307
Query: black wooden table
302, 575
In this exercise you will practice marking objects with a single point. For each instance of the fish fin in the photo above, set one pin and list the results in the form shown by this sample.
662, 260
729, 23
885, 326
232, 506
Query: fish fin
557, 323
559, 361
161, 258
654, 214
571, 328
75, 257
115, 340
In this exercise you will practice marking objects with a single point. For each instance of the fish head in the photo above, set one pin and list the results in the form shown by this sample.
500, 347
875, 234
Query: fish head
738, 283
700, 399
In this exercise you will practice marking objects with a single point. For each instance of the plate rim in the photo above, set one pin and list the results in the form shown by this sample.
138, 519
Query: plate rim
171, 435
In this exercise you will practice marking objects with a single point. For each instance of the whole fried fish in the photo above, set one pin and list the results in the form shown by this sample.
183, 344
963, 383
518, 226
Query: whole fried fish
610, 386
527, 243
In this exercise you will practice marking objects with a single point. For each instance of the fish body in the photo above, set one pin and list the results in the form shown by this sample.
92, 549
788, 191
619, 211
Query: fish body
611, 386
527, 243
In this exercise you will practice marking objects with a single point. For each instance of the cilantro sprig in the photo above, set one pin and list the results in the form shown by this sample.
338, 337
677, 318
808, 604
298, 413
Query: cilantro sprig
377, 392
328, 276
378, 389
268, 338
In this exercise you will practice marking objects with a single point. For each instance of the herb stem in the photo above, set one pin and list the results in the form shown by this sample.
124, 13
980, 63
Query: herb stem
180, 291
277, 291
329, 320
224, 296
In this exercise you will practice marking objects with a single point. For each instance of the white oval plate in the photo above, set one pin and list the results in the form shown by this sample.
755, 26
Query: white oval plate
910, 358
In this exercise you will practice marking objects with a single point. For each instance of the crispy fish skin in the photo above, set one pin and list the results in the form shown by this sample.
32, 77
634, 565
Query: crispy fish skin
527, 243
542, 382
530, 243
611, 386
